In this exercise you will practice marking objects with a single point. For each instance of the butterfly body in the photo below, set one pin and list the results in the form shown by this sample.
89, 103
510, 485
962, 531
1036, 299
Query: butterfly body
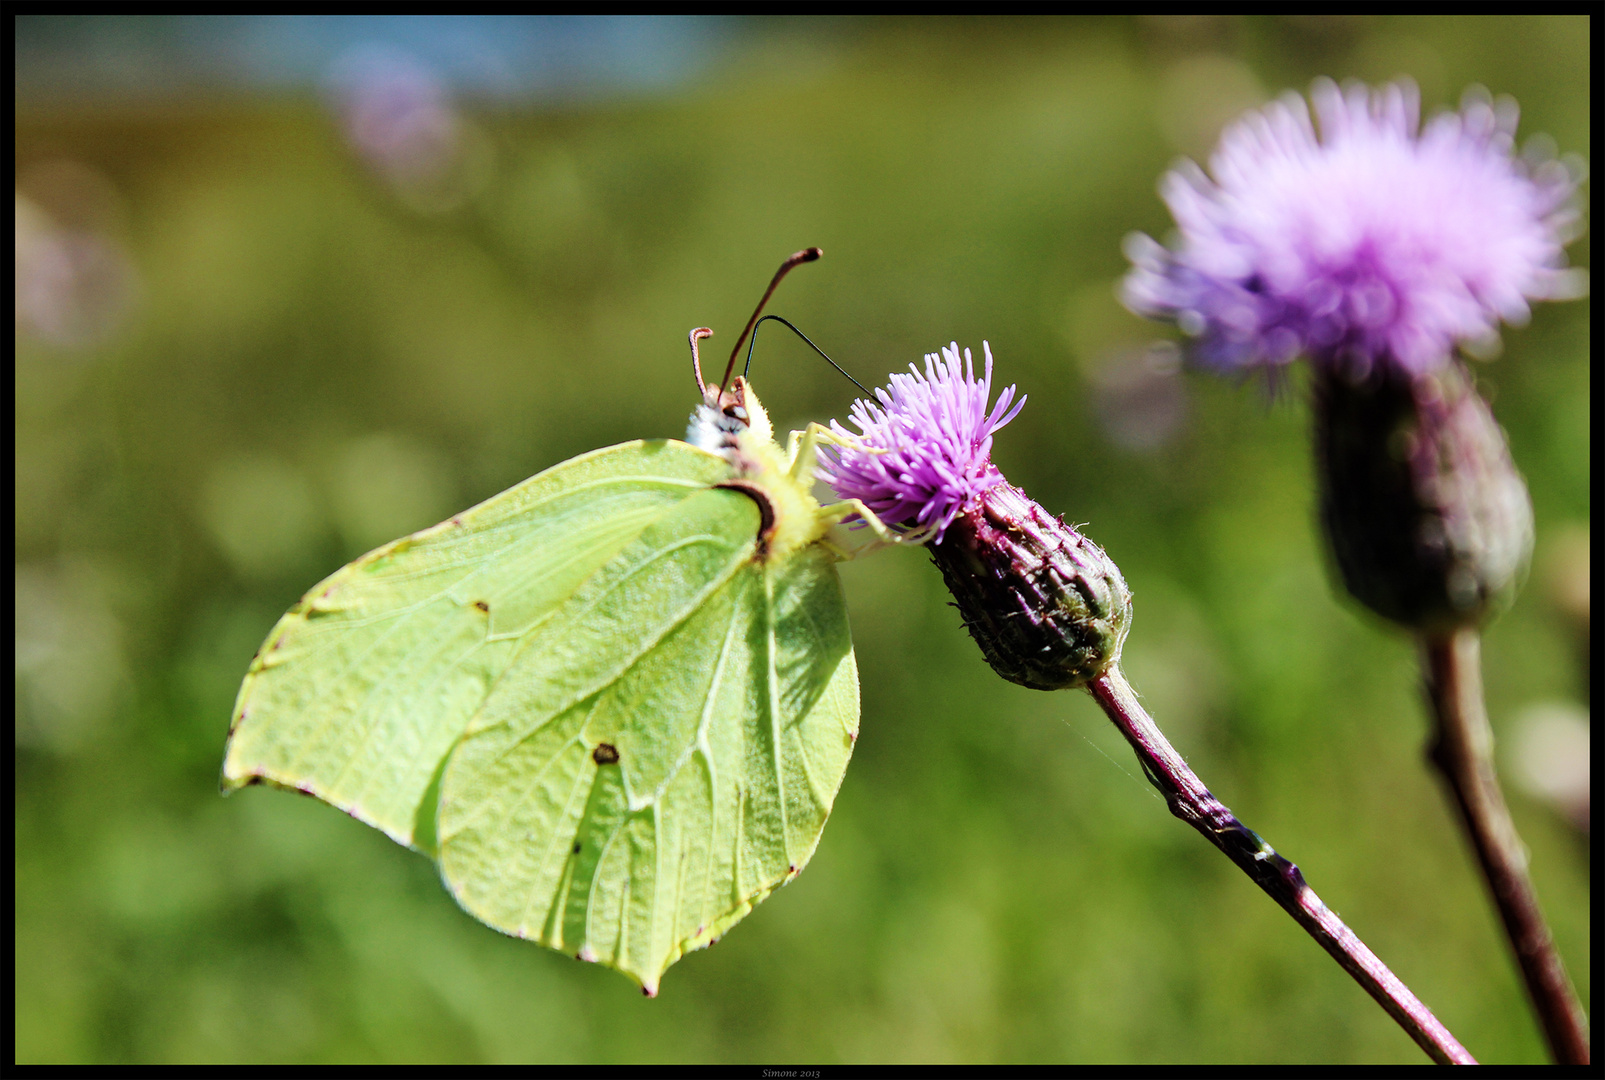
615, 702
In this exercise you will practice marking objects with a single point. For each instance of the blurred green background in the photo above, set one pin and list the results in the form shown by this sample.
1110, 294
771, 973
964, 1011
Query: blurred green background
269, 317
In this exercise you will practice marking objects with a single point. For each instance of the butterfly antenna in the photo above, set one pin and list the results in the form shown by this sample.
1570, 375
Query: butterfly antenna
754, 343
696, 362
803, 256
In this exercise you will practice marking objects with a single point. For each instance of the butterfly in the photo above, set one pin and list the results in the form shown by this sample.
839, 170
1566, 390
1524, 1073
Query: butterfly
614, 702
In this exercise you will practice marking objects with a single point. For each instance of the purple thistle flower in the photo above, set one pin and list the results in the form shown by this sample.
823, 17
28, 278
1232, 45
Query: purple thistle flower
1045, 604
1372, 241
925, 452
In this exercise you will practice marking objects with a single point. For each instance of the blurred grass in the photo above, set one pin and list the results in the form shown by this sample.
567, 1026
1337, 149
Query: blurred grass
307, 365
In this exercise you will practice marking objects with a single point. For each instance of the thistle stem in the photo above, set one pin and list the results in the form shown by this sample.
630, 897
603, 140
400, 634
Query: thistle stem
1463, 751
1191, 801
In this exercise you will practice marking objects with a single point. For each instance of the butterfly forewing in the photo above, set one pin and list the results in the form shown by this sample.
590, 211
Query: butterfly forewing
364, 686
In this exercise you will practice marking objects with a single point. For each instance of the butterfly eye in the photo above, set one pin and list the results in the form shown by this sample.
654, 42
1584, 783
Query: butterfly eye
737, 412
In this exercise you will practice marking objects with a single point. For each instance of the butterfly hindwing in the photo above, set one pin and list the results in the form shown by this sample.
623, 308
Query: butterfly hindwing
697, 706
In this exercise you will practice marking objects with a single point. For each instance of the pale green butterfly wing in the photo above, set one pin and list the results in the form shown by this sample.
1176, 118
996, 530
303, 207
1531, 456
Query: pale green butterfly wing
614, 597
644, 803
364, 686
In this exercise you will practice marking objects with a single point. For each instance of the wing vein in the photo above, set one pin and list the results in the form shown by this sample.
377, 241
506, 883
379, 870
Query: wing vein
776, 734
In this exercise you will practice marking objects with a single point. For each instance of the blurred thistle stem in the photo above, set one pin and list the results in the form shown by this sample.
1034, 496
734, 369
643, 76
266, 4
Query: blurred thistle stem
1192, 802
1344, 230
1463, 751
1431, 527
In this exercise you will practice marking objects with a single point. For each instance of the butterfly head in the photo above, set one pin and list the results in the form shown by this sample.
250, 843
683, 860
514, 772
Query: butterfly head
729, 408
728, 418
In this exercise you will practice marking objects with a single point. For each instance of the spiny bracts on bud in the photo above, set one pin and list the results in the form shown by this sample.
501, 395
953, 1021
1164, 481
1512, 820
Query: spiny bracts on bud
1429, 522
1047, 607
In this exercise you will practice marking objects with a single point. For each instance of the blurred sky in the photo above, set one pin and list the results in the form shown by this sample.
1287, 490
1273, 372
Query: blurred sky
508, 57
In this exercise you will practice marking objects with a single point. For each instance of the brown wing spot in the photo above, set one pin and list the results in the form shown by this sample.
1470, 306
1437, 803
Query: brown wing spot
605, 754
456, 521
482, 606
649, 991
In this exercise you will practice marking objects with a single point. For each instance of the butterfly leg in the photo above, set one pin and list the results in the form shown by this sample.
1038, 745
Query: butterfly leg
802, 450
885, 535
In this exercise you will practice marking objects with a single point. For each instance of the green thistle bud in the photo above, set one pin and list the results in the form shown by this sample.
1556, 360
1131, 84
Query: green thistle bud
1047, 606
1429, 522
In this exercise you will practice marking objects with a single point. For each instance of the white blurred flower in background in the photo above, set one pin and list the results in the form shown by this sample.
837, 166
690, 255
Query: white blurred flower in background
70, 667
75, 282
1549, 752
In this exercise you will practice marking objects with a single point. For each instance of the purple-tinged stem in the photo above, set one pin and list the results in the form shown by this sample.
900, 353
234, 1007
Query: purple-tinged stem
1464, 752
1191, 801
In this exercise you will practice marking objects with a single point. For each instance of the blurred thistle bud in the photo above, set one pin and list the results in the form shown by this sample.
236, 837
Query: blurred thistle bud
1045, 604
1429, 521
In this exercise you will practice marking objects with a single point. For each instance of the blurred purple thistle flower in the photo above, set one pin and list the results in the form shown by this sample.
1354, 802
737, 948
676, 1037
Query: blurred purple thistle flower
925, 452
1374, 241
399, 118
